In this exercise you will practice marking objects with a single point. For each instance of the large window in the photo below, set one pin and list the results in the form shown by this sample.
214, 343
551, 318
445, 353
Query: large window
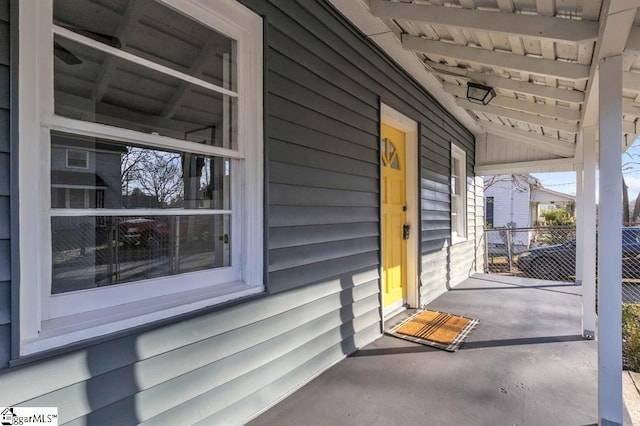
147, 115
458, 194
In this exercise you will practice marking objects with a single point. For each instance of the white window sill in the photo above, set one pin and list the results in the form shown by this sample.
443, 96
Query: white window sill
74, 328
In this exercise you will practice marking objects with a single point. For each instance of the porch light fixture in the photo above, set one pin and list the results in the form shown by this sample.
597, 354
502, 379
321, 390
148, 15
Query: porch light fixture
480, 94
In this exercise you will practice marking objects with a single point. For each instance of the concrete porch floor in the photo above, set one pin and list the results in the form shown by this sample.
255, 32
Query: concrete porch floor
525, 364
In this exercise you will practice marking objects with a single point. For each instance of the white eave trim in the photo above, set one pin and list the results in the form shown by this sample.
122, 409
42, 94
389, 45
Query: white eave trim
534, 140
560, 197
538, 166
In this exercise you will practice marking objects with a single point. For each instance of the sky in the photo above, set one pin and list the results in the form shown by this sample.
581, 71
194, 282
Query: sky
561, 182
566, 181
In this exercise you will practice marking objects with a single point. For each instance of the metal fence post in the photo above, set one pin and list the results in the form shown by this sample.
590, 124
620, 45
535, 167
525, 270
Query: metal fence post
486, 251
510, 248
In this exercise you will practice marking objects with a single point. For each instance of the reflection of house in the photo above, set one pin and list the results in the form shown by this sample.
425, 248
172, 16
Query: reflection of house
85, 176
516, 201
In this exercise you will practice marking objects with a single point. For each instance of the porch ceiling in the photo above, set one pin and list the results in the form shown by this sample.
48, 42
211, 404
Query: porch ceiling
541, 57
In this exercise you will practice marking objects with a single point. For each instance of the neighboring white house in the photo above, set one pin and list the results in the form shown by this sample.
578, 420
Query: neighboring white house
516, 201
543, 199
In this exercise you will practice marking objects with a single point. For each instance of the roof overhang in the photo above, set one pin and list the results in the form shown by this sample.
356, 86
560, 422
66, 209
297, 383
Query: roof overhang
545, 195
540, 57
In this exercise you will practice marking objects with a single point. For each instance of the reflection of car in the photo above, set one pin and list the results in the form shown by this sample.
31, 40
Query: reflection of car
156, 232
146, 232
559, 261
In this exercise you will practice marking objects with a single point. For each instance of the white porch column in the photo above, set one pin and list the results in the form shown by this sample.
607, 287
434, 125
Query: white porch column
579, 209
587, 223
610, 244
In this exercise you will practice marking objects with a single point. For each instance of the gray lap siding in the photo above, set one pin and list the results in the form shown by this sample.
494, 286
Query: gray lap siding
5, 188
323, 86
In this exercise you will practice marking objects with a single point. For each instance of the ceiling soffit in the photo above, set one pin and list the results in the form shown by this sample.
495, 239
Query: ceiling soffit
538, 55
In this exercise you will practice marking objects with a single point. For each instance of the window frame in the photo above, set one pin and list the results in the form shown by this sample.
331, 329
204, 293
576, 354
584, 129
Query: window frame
47, 321
86, 158
489, 224
460, 216
87, 195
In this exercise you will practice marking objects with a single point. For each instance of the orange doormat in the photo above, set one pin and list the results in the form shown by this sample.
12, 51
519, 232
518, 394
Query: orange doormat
432, 328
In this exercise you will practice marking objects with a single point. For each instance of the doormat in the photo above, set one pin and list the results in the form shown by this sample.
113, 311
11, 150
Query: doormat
432, 328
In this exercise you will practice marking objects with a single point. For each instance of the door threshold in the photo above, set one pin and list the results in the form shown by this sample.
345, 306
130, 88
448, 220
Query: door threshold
395, 311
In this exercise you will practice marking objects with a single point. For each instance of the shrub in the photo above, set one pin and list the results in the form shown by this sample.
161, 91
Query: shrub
631, 337
559, 227
558, 217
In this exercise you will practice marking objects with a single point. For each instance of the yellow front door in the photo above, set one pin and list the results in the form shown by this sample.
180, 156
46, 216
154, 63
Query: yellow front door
394, 249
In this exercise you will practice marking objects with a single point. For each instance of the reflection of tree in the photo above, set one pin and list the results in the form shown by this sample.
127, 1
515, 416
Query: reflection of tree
518, 182
138, 198
130, 163
154, 173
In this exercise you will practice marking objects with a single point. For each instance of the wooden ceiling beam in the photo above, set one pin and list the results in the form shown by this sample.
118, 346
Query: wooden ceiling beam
633, 41
630, 107
616, 23
631, 81
520, 25
206, 52
565, 126
630, 127
129, 20
519, 105
540, 66
524, 87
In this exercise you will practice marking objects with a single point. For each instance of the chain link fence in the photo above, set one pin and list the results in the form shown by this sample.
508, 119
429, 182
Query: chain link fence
549, 253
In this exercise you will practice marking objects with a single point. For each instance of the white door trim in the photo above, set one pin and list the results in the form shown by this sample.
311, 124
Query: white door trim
395, 119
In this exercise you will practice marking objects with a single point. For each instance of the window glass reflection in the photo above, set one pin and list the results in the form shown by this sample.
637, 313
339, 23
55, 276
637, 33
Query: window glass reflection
122, 176
155, 32
96, 251
101, 88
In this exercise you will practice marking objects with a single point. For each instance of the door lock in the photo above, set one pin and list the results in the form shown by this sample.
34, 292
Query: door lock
406, 229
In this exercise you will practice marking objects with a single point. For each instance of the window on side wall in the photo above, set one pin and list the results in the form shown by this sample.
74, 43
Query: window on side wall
77, 159
149, 116
458, 195
489, 212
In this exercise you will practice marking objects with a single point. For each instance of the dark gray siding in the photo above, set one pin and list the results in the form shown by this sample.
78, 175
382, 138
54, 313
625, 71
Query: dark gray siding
434, 188
444, 265
323, 160
5, 188
323, 123
323, 84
